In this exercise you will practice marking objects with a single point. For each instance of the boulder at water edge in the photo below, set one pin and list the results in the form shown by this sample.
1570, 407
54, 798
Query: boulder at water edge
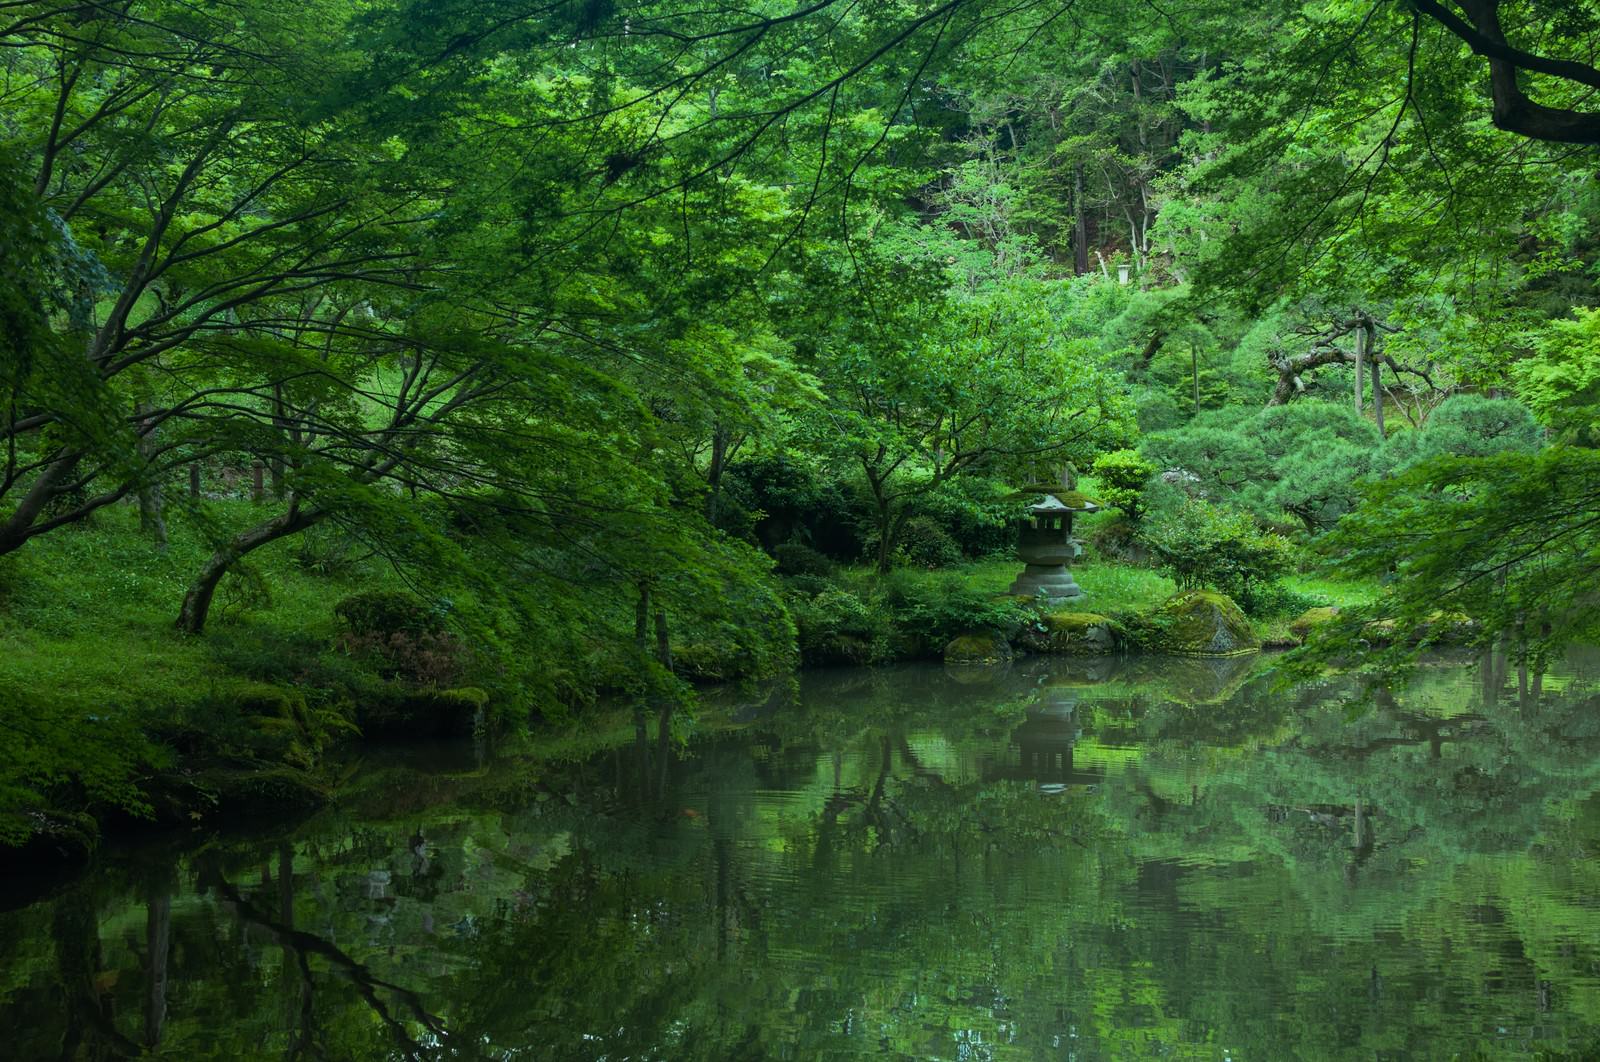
977, 647
1200, 623
1311, 619
1082, 633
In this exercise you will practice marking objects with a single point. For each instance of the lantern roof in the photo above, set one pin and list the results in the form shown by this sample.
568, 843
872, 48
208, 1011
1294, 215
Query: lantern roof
1074, 502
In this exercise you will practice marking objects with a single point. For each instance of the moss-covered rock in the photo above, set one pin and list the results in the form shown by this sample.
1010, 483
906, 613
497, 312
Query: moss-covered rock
1199, 623
267, 700
243, 793
977, 647
1310, 620
1440, 628
1082, 633
427, 713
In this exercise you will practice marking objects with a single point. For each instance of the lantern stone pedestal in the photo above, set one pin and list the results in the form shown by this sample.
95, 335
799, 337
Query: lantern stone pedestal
1045, 546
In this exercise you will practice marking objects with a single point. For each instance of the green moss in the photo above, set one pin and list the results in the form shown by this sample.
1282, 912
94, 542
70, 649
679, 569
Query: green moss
1075, 499
1087, 633
1073, 622
1199, 623
977, 647
1310, 619
426, 713
265, 699
235, 793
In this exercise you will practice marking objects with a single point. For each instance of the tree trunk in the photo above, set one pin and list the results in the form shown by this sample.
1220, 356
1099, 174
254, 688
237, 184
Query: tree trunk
1377, 378
1080, 225
197, 601
158, 943
151, 520
886, 531
15, 531
1194, 374
194, 481
1361, 340
664, 710
641, 619
719, 459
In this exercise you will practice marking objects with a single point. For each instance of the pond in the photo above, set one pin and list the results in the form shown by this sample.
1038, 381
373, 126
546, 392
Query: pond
1142, 859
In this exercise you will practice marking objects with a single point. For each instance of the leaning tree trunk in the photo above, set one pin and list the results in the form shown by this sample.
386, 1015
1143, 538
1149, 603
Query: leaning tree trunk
16, 529
197, 601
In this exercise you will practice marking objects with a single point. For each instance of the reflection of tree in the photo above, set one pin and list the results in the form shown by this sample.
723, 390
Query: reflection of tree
90, 1013
904, 865
158, 949
303, 946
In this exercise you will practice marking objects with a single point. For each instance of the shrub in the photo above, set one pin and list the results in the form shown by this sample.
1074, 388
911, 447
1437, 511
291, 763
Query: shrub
402, 637
1302, 459
1204, 545
328, 551
977, 513
924, 544
836, 626
1275, 599
1469, 425
928, 613
386, 612
797, 558
1122, 476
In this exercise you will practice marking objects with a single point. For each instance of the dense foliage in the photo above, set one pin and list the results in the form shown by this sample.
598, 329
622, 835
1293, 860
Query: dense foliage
618, 335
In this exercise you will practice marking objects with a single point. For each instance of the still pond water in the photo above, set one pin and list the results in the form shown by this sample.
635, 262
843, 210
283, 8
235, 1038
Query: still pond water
1057, 861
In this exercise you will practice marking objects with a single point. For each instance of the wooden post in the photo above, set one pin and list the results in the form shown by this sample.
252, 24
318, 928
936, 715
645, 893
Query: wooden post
258, 486
1194, 373
194, 481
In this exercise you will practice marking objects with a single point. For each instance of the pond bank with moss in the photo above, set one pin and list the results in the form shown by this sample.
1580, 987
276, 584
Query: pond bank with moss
122, 723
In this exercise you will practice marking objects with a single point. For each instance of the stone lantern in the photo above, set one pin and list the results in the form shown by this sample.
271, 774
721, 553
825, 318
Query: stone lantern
1046, 546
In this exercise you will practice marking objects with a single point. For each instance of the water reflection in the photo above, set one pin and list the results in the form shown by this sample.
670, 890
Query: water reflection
1052, 860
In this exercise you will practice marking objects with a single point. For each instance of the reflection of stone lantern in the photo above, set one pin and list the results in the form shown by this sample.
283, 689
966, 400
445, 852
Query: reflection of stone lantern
1045, 739
1046, 546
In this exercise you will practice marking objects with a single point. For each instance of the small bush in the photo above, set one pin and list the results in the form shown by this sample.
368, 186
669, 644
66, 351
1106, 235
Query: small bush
327, 551
388, 612
402, 637
977, 513
922, 543
1123, 476
836, 626
928, 613
797, 558
426, 659
1205, 545
1117, 539
1274, 599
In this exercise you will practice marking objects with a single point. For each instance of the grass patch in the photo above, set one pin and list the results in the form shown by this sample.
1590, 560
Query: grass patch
86, 614
95, 679
1341, 593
